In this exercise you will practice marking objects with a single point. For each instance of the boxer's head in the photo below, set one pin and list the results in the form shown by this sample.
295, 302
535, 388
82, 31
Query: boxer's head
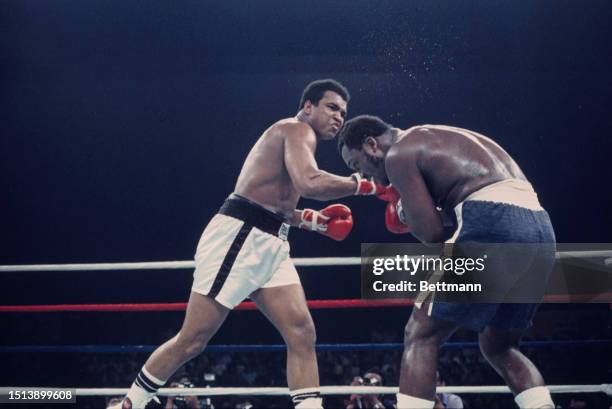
363, 144
323, 105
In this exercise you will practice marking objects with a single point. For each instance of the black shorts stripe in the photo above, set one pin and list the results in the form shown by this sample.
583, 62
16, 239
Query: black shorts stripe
229, 260
303, 396
150, 381
140, 382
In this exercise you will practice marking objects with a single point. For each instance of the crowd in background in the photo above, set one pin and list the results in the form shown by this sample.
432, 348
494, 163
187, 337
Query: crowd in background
457, 366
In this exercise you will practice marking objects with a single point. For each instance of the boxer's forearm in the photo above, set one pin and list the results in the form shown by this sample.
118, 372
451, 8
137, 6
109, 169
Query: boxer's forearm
326, 186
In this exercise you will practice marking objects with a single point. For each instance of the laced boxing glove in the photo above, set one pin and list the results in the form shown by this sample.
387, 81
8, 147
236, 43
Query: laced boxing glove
394, 218
389, 194
335, 221
366, 187
394, 214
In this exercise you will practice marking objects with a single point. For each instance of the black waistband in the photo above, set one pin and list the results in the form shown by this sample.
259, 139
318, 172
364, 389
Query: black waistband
251, 213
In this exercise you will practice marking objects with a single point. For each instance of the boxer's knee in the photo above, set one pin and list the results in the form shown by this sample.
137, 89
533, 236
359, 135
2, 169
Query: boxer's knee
423, 330
191, 345
415, 335
487, 346
416, 332
301, 335
494, 344
410, 333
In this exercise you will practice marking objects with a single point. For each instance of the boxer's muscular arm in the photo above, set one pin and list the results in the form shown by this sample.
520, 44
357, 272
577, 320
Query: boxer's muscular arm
419, 208
308, 179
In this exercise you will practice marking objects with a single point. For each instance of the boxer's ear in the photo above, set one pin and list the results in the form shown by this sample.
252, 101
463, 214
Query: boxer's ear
307, 107
370, 145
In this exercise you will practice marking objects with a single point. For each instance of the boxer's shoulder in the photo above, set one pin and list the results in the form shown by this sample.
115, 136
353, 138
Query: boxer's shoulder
292, 127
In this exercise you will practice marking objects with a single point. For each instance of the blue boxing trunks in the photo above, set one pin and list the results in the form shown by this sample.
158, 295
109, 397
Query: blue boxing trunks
503, 212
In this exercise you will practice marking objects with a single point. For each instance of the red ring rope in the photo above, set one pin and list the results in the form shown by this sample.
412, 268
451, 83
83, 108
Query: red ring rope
249, 305
180, 306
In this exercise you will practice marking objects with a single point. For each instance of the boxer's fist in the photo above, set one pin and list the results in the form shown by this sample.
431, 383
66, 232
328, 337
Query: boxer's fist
366, 187
389, 194
394, 215
335, 221
394, 218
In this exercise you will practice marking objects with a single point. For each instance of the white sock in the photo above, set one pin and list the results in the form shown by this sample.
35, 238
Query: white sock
535, 398
411, 402
144, 388
310, 403
306, 398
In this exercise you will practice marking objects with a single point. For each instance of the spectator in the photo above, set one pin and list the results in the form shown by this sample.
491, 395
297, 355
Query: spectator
446, 400
182, 402
365, 401
244, 405
113, 401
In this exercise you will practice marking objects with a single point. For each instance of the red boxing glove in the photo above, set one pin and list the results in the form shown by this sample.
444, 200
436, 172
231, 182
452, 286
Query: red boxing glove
394, 218
394, 215
366, 187
335, 221
389, 194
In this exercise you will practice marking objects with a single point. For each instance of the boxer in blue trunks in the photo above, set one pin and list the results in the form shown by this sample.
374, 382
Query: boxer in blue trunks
437, 171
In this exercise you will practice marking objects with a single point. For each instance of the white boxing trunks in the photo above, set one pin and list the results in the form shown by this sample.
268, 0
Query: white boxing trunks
243, 248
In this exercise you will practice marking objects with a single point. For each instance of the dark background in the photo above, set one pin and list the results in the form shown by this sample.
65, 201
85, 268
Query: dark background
125, 124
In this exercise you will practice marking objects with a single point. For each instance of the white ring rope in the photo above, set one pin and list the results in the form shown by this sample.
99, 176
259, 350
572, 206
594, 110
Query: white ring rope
299, 262
325, 390
168, 265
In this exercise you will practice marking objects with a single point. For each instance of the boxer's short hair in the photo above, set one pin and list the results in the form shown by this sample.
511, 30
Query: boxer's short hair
315, 90
356, 130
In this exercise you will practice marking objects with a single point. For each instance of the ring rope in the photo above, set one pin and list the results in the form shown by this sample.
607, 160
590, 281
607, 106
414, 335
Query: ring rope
111, 349
181, 306
300, 262
168, 265
250, 306
325, 390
